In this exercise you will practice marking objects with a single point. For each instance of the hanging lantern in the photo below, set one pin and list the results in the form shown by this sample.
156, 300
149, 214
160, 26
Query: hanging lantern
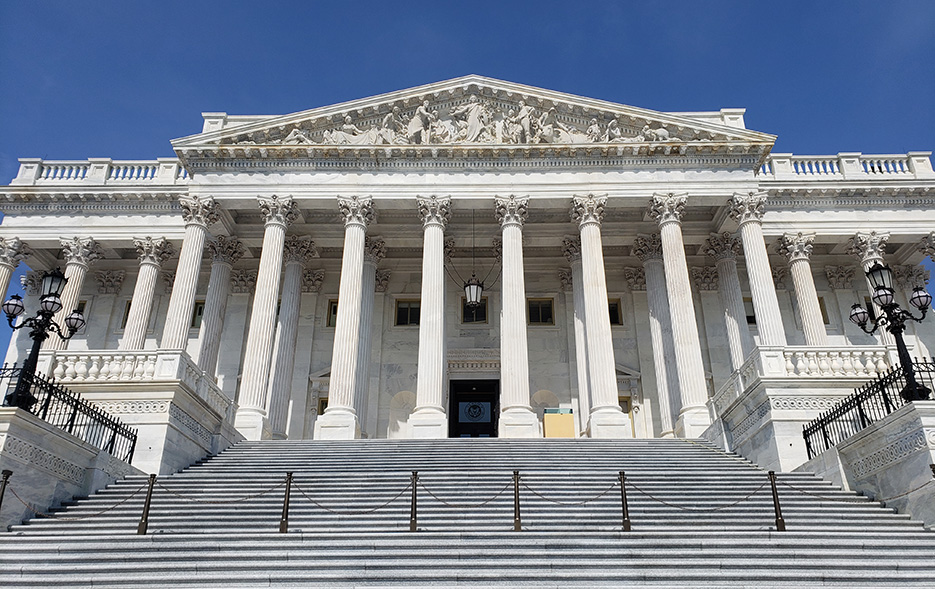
473, 291
920, 299
53, 283
14, 307
880, 276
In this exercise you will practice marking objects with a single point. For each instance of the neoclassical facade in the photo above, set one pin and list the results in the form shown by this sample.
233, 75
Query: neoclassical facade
302, 276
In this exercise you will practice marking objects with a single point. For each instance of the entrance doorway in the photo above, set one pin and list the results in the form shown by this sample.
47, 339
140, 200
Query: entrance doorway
474, 408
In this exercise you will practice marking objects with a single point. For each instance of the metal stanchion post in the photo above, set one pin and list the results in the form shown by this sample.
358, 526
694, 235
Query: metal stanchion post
623, 502
284, 520
3, 483
414, 482
144, 519
517, 521
780, 523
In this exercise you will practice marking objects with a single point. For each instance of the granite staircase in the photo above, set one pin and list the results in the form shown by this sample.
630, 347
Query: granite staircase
698, 517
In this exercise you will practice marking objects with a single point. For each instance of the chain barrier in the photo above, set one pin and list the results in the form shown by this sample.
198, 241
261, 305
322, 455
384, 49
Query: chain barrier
707, 510
361, 512
465, 505
846, 500
222, 502
74, 519
584, 502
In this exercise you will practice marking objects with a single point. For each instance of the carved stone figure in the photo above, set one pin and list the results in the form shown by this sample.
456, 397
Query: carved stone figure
613, 134
524, 118
594, 132
660, 134
393, 130
421, 124
297, 137
471, 118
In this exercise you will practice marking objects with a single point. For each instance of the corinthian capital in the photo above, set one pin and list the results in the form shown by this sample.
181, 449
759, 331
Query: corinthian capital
13, 251
747, 207
511, 210
356, 210
109, 281
868, 247
796, 246
635, 277
724, 246
667, 207
382, 280
226, 250
153, 251
571, 248
927, 245
910, 277
374, 250
434, 210
565, 277
243, 281
839, 277
705, 277
281, 210
199, 211
647, 247
298, 249
81, 250
586, 209
312, 280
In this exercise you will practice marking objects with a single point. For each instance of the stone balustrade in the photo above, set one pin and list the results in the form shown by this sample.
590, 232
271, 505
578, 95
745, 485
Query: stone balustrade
144, 366
847, 166
100, 171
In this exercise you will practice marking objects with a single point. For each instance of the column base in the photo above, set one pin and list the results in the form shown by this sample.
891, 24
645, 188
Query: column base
692, 422
252, 424
427, 424
610, 423
519, 422
337, 425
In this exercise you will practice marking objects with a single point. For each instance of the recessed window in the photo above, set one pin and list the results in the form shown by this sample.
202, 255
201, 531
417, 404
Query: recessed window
126, 314
332, 313
616, 317
824, 311
540, 311
748, 310
198, 314
868, 304
322, 404
624, 403
476, 314
407, 312
82, 307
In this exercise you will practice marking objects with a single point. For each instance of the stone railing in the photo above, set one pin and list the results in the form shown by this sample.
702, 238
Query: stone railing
812, 362
107, 366
100, 171
847, 166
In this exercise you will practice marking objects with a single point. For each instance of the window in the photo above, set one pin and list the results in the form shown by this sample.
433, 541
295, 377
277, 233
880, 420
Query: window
126, 314
198, 314
540, 311
624, 403
748, 309
322, 404
824, 311
616, 317
476, 314
332, 313
868, 304
407, 312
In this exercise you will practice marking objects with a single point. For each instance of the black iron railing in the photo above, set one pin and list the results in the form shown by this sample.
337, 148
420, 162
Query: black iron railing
869, 403
66, 409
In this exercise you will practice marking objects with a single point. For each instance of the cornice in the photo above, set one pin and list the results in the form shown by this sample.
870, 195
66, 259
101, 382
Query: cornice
878, 196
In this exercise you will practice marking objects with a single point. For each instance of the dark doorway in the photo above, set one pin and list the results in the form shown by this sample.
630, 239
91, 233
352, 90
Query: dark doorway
474, 408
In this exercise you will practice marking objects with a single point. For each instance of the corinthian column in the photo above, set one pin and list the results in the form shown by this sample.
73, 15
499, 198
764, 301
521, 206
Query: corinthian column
79, 253
571, 248
607, 420
374, 251
517, 419
224, 252
339, 420
648, 248
12, 251
747, 210
198, 214
280, 212
152, 253
667, 209
298, 252
797, 247
724, 249
870, 248
429, 419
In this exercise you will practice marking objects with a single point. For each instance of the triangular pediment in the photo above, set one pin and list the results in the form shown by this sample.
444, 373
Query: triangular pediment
474, 111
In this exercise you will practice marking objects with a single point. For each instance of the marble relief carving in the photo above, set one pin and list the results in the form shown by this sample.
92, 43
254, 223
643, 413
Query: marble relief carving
109, 281
840, 277
312, 280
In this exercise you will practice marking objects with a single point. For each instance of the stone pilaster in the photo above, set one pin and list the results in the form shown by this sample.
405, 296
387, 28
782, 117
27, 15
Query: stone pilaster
199, 214
648, 248
571, 248
517, 419
297, 253
607, 420
666, 210
13, 250
339, 420
429, 420
280, 212
152, 253
79, 254
797, 247
869, 248
748, 210
724, 248
374, 252
225, 252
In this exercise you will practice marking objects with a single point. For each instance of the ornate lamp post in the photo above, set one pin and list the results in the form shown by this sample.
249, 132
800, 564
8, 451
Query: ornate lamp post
50, 303
894, 318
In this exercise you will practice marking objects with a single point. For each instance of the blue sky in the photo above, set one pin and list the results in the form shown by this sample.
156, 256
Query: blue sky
120, 79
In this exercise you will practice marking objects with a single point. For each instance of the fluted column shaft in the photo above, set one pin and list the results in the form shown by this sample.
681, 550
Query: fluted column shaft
374, 251
514, 353
869, 248
798, 248
152, 253
280, 388
79, 254
572, 250
724, 249
225, 251
198, 215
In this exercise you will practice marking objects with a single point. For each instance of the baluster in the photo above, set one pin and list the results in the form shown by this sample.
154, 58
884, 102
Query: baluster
59, 371
882, 365
837, 368
81, 368
813, 369
847, 363
150, 368
824, 366
139, 368
801, 366
94, 369
126, 367
790, 367
70, 367
105, 368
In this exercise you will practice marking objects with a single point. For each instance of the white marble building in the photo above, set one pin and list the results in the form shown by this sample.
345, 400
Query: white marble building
656, 273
